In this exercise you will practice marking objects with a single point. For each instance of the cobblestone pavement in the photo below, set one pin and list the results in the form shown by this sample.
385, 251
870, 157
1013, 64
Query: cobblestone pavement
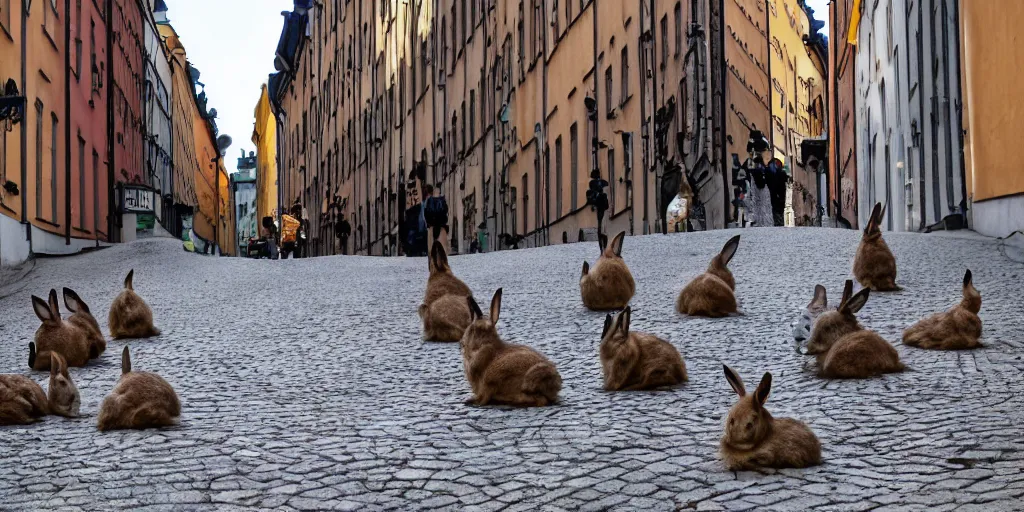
305, 385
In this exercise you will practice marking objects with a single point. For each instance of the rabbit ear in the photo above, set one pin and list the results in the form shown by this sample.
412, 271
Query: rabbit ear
73, 302
874, 219
820, 300
438, 257
495, 306
968, 279
763, 390
58, 366
602, 242
42, 309
586, 268
624, 320
54, 305
474, 308
847, 291
128, 279
126, 361
607, 325
617, 243
881, 215
734, 380
729, 250
855, 303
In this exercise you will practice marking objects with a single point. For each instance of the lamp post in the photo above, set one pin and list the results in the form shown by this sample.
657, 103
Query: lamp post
223, 143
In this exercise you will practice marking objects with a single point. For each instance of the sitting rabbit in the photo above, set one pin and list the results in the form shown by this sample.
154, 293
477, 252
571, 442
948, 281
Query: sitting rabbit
711, 293
140, 400
956, 329
874, 266
130, 316
444, 311
636, 360
55, 336
753, 439
22, 400
844, 349
504, 373
609, 284
82, 318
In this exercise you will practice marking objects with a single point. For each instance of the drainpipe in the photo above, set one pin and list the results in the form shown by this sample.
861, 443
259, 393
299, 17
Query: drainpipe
726, 185
836, 136
111, 205
67, 124
595, 167
771, 86
660, 214
546, 157
960, 114
24, 128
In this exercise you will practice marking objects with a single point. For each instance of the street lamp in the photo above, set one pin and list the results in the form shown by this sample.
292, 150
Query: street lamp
223, 143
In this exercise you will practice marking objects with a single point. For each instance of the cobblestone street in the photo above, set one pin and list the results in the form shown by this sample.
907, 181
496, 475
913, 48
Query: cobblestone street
305, 385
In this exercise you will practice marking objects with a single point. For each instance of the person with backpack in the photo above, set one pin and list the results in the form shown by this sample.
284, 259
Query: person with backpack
435, 213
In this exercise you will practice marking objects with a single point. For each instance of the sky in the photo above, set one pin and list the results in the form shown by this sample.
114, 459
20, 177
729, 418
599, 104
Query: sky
232, 43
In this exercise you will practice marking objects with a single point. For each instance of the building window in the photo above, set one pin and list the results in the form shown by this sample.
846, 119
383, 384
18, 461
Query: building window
513, 203
574, 162
609, 102
464, 146
50, 19
444, 41
537, 29
473, 14
39, 159
78, 43
472, 116
81, 182
3, 159
555, 29
611, 181
664, 41
521, 33
526, 203
679, 29
558, 176
465, 28
95, 193
624, 82
568, 13
5, 15
53, 168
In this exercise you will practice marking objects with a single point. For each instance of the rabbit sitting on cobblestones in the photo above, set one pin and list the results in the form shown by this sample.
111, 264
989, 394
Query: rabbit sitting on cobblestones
753, 439
82, 318
844, 349
504, 373
637, 360
956, 329
139, 400
874, 266
55, 336
22, 400
802, 325
130, 316
444, 311
712, 293
608, 284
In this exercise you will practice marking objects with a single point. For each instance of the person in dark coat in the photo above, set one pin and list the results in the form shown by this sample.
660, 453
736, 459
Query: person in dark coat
343, 230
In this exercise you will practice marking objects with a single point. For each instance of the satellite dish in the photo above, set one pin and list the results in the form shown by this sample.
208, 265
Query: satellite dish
223, 143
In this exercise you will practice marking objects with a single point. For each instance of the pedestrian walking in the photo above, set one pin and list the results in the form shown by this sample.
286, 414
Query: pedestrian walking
269, 234
435, 212
343, 230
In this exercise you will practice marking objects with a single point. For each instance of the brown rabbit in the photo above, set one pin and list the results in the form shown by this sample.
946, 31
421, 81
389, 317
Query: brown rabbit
874, 266
635, 360
56, 336
711, 293
844, 349
22, 400
753, 439
444, 311
609, 284
140, 400
504, 373
82, 318
130, 316
956, 329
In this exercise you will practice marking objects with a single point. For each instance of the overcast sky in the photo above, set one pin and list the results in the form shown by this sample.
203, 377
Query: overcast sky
232, 43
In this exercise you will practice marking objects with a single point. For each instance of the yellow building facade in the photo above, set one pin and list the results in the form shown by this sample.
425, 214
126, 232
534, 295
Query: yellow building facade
264, 136
991, 56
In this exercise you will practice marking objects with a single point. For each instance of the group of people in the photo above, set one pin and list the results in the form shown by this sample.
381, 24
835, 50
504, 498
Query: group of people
292, 237
427, 222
